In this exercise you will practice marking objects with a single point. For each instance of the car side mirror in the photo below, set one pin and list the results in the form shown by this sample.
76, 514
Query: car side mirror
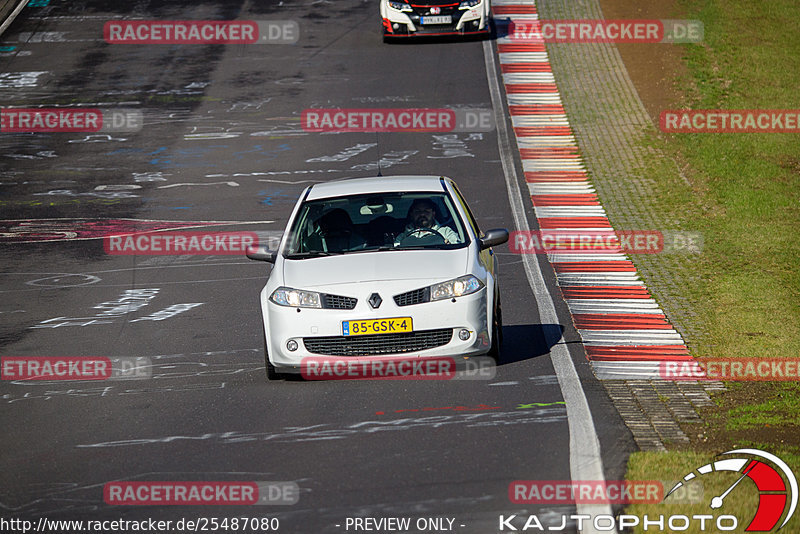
261, 253
494, 237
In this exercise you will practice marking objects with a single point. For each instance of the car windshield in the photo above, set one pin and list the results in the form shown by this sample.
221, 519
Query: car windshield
386, 221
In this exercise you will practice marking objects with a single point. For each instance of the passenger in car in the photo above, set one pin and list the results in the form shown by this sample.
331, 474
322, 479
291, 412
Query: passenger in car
337, 233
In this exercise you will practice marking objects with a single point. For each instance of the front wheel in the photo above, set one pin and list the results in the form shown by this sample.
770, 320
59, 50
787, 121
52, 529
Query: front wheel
272, 373
497, 331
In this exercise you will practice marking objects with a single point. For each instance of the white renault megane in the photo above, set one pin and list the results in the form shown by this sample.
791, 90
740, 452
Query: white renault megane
380, 268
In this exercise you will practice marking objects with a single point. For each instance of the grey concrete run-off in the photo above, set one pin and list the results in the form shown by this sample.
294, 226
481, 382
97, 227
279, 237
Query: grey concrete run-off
654, 409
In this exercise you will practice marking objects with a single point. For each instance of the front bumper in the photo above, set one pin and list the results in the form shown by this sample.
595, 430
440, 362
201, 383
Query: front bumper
473, 21
318, 332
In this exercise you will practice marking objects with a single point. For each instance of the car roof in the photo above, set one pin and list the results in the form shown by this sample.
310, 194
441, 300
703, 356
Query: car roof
378, 184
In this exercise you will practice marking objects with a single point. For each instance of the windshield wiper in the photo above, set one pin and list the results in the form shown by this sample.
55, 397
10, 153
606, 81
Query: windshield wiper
311, 254
435, 246
381, 248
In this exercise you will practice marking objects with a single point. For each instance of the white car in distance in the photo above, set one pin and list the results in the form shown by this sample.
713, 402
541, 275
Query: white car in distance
384, 267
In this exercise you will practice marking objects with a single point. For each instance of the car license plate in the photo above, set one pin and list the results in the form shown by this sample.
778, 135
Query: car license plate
438, 19
392, 325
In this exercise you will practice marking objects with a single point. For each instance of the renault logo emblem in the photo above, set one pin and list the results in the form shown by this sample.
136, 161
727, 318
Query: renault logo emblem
375, 301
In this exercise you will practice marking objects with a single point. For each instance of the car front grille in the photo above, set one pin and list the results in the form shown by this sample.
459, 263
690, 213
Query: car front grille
447, 9
338, 302
378, 344
410, 298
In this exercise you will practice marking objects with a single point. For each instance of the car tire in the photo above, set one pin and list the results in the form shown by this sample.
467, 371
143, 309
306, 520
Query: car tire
272, 373
497, 330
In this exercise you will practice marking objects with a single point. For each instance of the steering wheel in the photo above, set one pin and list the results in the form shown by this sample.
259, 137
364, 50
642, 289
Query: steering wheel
422, 236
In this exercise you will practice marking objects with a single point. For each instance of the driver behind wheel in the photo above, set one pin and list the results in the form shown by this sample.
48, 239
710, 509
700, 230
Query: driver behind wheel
422, 221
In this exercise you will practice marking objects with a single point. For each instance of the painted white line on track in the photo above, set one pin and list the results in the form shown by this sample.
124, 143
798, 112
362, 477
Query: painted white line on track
12, 16
585, 460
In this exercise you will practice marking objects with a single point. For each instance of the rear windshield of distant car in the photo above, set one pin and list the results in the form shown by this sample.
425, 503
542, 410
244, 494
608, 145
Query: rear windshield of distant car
376, 222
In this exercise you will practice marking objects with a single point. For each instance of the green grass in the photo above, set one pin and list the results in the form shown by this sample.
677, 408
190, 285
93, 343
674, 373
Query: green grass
748, 183
745, 187
781, 408
745, 199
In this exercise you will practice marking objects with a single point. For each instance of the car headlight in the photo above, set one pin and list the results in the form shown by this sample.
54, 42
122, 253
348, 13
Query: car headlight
466, 4
400, 6
463, 285
296, 298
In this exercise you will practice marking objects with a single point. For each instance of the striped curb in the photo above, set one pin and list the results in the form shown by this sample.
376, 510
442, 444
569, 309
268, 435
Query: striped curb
625, 333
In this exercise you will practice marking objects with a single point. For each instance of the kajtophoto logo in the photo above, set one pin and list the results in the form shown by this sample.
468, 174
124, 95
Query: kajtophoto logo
773, 494
774, 481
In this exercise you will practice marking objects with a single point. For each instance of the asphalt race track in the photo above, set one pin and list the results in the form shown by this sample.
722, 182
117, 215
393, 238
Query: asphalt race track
222, 142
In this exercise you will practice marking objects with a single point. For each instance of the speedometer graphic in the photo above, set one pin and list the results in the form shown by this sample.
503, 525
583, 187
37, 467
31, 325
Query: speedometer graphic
773, 493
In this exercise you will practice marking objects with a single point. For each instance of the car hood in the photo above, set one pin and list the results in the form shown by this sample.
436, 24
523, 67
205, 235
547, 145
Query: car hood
433, 266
